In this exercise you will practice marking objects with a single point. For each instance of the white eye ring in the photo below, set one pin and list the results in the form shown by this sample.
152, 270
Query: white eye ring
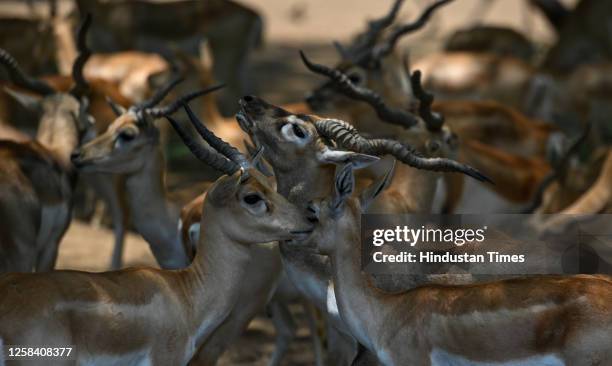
288, 133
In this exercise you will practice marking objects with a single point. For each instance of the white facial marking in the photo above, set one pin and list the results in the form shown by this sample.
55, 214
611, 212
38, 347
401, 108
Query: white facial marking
289, 134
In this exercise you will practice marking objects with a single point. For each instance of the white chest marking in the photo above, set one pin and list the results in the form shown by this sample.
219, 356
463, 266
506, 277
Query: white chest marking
332, 304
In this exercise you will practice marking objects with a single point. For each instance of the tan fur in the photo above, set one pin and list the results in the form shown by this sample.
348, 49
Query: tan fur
124, 307
461, 75
568, 317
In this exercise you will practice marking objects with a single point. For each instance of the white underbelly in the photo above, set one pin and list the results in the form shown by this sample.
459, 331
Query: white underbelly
140, 358
442, 358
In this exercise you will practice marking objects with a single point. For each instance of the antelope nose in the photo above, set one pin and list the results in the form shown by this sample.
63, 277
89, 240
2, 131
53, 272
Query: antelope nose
247, 100
75, 156
312, 212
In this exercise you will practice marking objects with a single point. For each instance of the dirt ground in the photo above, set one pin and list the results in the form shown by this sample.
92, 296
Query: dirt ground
277, 74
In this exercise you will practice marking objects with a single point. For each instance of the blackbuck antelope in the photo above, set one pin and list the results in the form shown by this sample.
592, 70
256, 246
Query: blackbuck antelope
30, 40
543, 320
580, 39
370, 60
232, 29
296, 146
241, 210
371, 76
130, 146
37, 177
592, 199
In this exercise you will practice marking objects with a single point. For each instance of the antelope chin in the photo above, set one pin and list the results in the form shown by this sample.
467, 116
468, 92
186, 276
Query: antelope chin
300, 235
244, 121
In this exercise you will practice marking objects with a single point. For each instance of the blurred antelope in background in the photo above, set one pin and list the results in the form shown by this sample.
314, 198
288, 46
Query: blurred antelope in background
37, 176
521, 144
232, 29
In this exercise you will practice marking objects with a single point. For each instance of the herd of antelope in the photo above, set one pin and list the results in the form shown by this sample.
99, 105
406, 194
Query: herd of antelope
381, 134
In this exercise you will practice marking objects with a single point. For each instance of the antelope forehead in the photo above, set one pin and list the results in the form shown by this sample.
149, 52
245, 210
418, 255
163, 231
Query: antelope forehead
294, 119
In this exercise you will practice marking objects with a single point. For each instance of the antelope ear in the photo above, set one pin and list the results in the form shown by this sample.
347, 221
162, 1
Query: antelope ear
28, 101
116, 107
257, 159
371, 192
341, 157
159, 79
224, 188
206, 55
344, 184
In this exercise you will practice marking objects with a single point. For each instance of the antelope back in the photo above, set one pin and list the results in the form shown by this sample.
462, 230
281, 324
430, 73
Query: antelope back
468, 75
502, 41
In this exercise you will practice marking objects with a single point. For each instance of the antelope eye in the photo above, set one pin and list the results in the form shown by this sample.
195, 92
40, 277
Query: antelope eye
254, 203
433, 145
297, 130
295, 133
124, 137
354, 78
251, 199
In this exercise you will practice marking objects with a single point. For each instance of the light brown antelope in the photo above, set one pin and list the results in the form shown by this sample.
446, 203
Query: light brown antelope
260, 288
295, 146
595, 199
241, 210
130, 70
37, 176
232, 29
552, 320
471, 75
131, 147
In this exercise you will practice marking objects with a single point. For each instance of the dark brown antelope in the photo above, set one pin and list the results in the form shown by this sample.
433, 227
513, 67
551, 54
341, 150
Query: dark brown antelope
37, 176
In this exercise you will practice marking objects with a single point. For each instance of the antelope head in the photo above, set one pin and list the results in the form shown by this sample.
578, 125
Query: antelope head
289, 138
252, 209
63, 116
371, 63
297, 143
424, 129
132, 137
340, 213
